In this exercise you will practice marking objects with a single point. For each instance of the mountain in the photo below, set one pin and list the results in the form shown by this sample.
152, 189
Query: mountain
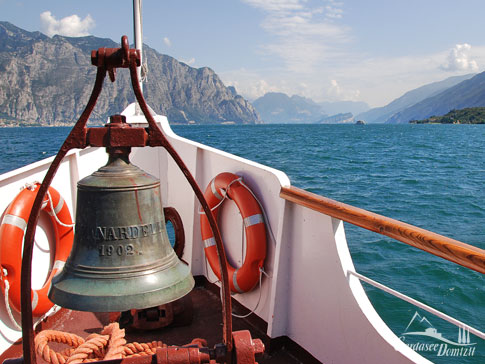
276, 107
342, 118
342, 107
382, 114
468, 93
48, 81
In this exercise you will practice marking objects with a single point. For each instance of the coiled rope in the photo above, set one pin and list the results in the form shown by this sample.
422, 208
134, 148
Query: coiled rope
110, 344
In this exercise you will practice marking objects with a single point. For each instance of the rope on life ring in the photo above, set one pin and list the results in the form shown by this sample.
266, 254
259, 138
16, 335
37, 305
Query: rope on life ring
12, 230
246, 277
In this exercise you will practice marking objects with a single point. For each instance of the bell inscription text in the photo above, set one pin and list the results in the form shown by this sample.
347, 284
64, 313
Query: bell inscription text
112, 233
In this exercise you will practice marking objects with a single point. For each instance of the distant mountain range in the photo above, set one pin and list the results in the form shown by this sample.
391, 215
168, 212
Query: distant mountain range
410, 98
48, 81
434, 99
276, 107
468, 93
342, 107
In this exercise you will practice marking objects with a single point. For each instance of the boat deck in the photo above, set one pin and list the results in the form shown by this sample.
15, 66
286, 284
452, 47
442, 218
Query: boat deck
206, 324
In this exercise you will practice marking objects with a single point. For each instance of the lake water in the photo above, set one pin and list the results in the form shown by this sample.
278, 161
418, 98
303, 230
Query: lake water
431, 176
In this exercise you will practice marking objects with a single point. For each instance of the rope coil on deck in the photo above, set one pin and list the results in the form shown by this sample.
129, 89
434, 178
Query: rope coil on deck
110, 344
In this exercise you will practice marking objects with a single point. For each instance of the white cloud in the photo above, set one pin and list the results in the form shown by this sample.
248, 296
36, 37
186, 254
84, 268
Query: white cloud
259, 88
275, 5
333, 10
167, 41
304, 34
377, 81
71, 26
459, 59
383, 79
313, 54
252, 85
336, 92
190, 62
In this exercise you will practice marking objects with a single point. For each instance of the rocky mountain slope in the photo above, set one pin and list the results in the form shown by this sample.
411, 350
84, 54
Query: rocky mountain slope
48, 81
382, 114
468, 93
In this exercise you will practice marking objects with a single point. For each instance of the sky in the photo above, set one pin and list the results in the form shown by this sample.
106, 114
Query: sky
327, 50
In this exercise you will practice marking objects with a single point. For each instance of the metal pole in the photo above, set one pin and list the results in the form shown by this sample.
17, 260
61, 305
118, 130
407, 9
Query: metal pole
138, 35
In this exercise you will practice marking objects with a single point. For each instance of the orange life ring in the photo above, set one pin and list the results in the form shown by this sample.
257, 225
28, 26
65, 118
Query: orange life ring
12, 230
246, 277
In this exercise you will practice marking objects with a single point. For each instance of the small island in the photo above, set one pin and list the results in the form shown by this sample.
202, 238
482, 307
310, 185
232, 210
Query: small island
469, 115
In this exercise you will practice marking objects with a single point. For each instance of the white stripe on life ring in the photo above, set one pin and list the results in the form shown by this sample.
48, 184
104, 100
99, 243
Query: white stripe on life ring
253, 220
15, 221
234, 280
59, 265
58, 207
35, 299
209, 242
214, 190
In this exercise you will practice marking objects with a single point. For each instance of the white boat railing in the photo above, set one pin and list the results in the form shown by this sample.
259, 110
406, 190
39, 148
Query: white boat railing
419, 304
455, 251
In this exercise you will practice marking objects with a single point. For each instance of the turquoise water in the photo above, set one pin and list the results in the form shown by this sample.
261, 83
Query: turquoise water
431, 176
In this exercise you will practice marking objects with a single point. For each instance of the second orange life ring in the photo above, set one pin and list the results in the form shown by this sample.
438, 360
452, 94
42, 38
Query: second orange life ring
12, 230
246, 277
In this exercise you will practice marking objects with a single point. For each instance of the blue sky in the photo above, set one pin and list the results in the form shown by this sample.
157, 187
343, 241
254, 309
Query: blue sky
372, 50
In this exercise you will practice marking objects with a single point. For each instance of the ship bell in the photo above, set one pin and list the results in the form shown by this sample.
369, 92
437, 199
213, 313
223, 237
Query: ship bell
121, 257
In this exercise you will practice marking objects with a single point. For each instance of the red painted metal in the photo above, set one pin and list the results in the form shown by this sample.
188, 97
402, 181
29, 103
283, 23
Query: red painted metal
117, 134
177, 355
113, 136
173, 216
245, 348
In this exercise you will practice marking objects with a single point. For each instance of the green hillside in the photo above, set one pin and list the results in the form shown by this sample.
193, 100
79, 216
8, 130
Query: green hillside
469, 115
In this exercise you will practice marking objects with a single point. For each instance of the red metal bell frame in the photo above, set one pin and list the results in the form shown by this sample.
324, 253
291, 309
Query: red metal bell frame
107, 60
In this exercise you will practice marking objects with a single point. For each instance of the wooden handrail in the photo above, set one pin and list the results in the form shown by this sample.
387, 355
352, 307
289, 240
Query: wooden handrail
453, 250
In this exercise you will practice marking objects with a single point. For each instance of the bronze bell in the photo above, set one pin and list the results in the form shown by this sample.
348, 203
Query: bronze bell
121, 257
